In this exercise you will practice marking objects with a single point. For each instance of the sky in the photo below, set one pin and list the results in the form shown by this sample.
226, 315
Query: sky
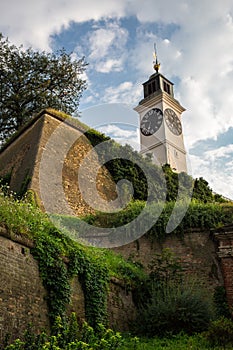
194, 42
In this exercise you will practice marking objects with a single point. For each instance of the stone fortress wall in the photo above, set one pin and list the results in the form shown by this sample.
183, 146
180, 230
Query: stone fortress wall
207, 256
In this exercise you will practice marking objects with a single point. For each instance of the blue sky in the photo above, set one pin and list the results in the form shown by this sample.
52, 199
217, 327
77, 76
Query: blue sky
195, 48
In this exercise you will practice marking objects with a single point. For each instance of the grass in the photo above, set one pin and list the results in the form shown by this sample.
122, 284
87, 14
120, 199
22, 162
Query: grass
196, 215
179, 342
20, 217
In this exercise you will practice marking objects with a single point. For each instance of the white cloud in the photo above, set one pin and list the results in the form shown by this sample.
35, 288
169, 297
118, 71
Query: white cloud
123, 136
216, 166
125, 92
229, 166
107, 47
221, 181
102, 40
166, 11
221, 152
32, 22
109, 66
117, 131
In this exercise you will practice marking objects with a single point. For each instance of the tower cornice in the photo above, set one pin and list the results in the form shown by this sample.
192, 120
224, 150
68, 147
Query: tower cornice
157, 97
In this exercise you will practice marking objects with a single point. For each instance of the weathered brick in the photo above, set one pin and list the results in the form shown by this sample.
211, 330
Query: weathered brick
21, 290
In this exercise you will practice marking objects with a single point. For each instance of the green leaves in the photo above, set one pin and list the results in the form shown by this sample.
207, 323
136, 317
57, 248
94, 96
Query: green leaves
32, 80
198, 215
128, 164
60, 259
164, 182
174, 307
68, 335
220, 333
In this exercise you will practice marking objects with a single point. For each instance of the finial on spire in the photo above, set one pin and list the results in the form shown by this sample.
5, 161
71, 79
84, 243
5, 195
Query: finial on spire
156, 63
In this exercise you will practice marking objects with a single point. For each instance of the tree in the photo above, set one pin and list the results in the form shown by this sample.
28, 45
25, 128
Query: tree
202, 191
32, 80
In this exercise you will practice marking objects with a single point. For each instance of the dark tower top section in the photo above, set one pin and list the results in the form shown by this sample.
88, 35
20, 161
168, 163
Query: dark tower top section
157, 83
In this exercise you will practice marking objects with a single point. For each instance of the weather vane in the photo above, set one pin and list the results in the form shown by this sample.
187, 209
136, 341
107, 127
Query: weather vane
156, 63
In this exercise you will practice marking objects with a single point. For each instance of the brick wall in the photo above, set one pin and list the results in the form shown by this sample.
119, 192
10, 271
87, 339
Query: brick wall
22, 295
224, 239
227, 268
196, 250
121, 308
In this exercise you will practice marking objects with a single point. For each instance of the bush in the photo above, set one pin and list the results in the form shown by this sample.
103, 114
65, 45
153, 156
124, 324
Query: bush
220, 333
221, 305
173, 308
70, 336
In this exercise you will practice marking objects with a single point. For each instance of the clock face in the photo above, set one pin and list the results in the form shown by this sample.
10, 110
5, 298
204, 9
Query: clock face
172, 121
151, 121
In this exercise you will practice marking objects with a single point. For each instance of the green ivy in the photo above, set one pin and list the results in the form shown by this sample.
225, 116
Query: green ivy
94, 278
50, 250
198, 215
53, 272
164, 181
60, 259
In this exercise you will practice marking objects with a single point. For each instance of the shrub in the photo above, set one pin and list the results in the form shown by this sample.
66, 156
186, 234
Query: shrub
70, 336
173, 308
220, 333
220, 300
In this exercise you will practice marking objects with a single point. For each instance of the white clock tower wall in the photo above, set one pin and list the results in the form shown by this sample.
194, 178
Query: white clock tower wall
160, 123
176, 158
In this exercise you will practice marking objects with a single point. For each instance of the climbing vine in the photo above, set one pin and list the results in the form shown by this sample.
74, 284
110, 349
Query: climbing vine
60, 259
53, 272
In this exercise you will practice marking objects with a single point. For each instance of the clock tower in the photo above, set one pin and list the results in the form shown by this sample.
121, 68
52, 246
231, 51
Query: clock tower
160, 122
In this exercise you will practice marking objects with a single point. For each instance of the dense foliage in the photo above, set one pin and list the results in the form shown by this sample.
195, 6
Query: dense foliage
68, 335
61, 259
174, 303
178, 342
73, 336
197, 215
220, 301
32, 80
173, 308
220, 333
128, 164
